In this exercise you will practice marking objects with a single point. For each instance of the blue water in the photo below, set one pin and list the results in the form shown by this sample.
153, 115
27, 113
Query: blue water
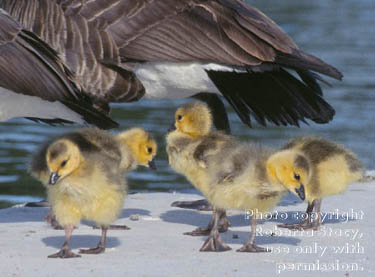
340, 32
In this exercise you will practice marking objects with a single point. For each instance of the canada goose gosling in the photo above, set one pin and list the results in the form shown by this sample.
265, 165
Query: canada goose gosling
138, 147
192, 122
83, 183
313, 169
243, 182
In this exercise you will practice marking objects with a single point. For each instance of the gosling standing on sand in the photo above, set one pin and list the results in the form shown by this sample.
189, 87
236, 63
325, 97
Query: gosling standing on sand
231, 175
85, 181
314, 168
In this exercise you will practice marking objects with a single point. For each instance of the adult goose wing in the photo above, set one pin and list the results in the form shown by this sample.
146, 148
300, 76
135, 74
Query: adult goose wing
230, 33
35, 83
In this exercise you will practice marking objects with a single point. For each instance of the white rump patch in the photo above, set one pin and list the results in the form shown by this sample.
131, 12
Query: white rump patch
178, 80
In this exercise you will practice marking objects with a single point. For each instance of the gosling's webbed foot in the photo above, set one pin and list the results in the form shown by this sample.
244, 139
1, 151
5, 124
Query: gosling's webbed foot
113, 227
55, 225
252, 248
64, 254
214, 244
96, 250
205, 231
200, 231
301, 226
201, 205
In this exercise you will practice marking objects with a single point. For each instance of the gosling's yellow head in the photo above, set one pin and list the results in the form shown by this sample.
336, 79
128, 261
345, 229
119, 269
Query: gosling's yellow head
193, 119
63, 158
142, 145
291, 169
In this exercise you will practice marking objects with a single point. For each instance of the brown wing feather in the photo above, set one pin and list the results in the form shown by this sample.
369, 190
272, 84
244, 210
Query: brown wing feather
77, 30
29, 66
227, 32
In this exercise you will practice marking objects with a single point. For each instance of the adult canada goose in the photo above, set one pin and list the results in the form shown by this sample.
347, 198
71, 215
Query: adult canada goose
80, 55
314, 168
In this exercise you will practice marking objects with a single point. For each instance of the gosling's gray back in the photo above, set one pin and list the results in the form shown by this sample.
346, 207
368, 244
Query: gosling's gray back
318, 150
224, 157
243, 159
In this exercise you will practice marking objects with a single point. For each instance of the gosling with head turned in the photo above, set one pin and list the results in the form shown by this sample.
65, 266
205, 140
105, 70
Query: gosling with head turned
192, 127
85, 180
231, 175
137, 146
314, 168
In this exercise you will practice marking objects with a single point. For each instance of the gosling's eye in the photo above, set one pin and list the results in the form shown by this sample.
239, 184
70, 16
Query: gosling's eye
297, 177
149, 150
179, 117
63, 163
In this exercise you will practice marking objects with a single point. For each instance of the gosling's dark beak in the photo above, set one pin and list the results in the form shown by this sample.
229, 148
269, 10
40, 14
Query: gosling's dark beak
301, 192
53, 178
152, 164
172, 128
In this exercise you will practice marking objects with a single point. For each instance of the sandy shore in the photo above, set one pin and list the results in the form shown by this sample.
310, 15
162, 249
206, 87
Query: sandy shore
155, 245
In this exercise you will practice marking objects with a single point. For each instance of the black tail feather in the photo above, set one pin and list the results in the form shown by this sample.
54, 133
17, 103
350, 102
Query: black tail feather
274, 96
300, 60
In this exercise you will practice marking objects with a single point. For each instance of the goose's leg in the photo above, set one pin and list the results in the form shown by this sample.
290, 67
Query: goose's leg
250, 246
101, 245
221, 122
214, 242
65, 251
223, 225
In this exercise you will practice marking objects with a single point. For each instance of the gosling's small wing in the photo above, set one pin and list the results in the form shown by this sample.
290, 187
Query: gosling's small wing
104, 142
212, 145
30, 67
318, 150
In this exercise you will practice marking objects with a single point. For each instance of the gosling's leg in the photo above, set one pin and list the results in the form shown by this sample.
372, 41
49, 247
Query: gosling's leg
101, 245
306, 222
223, 226
249, 246
65, 251
224, 222
51, 219
317, 222
214, 242
313, 220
